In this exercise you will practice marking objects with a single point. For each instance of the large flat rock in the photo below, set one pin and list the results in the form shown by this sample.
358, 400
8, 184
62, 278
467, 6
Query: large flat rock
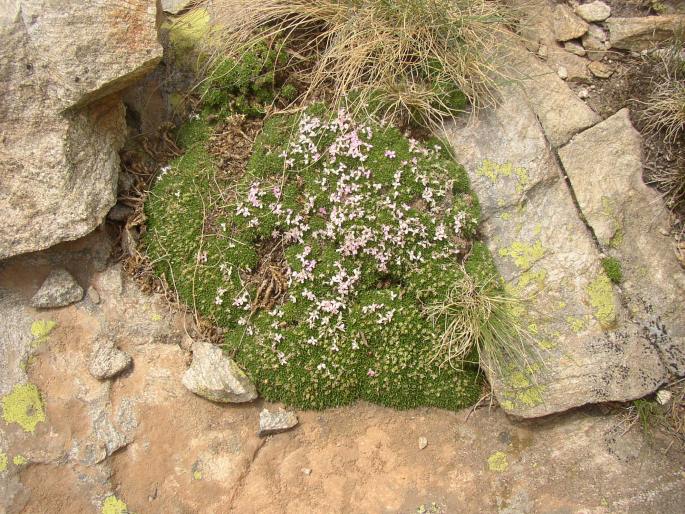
604, 164
638, 34
61, 124
547, 254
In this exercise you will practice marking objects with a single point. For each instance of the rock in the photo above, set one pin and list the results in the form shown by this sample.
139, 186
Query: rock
562, 72
638, 34
423, 442
58, 290
601, 70
604, 165
542, 52
61, 125
583, 93
119, 213
575, 67
93, 295
575, 48
546, 254
561, 113
595, 46
594, 11
663, 396
567, 25
276, 422
106, 360
307, 471
216, 377
175, 6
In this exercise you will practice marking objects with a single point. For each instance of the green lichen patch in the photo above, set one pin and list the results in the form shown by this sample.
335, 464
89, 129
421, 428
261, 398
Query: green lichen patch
23, 406
317, 259
498, 462
523, 254
612, 268
113, 505
602, 299
3, 461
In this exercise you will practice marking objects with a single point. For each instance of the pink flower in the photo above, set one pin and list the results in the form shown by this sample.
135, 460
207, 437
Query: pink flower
390, 154
371, 373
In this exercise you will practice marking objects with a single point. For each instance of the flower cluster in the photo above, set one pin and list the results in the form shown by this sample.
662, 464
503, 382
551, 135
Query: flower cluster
357, 217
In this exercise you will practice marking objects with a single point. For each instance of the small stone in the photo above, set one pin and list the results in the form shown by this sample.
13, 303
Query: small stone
575, 48
594, 11
567, 25
664, 396
59, 290
562, 72
275, 422
175, 6
601, 70
595, 44
107, 361
216, 377
423, 442
306, 471
93, 295
543, 52
583, 93
119, 213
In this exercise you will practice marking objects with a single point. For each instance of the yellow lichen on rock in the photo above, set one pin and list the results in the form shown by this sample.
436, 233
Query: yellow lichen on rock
41, 329
495, 171
113, 505
601, 295
524, 255
23, 406
3, 461
498, 462
19, 460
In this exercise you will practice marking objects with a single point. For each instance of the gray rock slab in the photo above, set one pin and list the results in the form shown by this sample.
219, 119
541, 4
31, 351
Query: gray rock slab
546, 253
58, 290
638, 34
604, 164
216, 377
61, 124
274, 422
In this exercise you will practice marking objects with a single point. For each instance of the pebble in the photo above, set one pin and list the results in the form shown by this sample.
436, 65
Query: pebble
423, 442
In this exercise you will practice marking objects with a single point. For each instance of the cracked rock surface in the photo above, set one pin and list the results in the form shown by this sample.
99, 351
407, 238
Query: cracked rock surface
591, 349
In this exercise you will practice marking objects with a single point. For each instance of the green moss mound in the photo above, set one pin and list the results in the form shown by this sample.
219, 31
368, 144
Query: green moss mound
318, 259
612, 267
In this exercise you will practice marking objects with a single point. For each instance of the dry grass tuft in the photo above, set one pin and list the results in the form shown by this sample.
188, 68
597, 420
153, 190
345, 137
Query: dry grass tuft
664, 114
401, 60
665, 107
479, 315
